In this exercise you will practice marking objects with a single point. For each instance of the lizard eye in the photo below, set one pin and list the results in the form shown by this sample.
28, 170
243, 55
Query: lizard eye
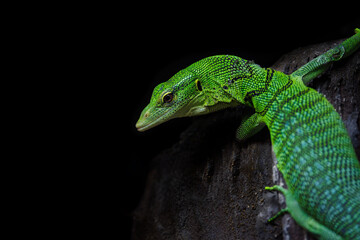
168, 97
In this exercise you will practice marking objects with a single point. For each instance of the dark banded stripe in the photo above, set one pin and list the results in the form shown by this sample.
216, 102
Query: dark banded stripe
276, 94
257, 92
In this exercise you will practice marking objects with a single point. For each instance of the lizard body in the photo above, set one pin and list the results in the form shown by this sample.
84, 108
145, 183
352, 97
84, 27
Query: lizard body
311, 144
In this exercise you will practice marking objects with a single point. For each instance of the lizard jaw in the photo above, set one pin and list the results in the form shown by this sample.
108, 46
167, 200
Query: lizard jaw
144, 123
142, 126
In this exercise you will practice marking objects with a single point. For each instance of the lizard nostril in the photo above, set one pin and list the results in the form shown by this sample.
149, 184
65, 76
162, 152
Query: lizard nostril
146, 115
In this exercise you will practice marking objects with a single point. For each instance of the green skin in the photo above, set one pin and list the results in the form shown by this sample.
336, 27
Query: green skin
311, 144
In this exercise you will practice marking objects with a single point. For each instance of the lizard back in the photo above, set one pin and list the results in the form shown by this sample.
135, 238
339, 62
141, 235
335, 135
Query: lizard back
314, 154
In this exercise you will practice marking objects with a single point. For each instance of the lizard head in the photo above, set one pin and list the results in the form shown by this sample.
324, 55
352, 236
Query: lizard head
180, 96
193, 91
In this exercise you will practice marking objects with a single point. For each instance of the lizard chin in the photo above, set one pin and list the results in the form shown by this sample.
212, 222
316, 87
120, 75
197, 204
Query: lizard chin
143, 125
149, 120
153, 116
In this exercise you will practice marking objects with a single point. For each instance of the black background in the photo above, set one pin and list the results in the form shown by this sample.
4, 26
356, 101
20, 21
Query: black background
154, 47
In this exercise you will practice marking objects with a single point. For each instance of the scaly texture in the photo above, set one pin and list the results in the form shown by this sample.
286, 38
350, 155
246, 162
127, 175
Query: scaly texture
310, 142
316, 157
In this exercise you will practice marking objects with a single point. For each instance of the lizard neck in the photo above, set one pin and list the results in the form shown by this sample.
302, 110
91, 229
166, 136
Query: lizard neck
266, 89
229, 80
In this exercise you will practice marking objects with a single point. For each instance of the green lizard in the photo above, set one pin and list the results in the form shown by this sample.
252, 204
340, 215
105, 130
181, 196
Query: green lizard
311, 144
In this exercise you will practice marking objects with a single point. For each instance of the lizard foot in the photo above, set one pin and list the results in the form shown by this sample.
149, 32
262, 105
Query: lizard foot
282, 211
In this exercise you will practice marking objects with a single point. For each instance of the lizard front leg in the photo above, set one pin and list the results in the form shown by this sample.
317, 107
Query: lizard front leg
249, 127
319, 65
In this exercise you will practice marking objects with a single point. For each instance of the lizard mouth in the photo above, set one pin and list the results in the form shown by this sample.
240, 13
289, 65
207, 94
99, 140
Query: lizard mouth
147, 121
142, 126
